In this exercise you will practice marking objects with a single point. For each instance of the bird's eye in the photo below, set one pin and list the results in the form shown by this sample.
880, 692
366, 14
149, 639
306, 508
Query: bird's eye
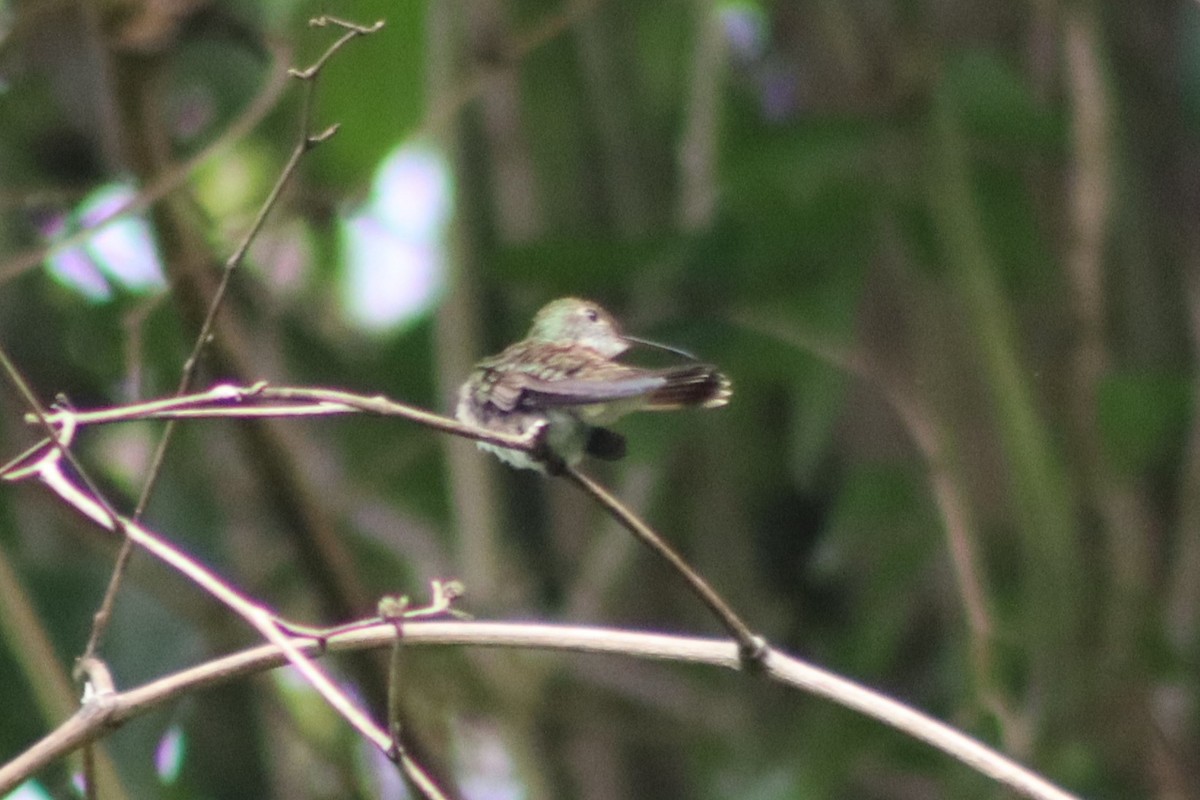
591, 315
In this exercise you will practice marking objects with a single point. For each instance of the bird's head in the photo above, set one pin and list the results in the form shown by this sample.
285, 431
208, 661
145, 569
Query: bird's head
570, 320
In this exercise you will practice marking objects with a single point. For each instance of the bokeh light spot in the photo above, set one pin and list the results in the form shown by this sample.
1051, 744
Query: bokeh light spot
122, 252
394, 245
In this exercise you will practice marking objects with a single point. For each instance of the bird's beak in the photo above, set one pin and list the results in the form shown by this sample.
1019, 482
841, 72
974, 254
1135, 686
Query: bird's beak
657, 346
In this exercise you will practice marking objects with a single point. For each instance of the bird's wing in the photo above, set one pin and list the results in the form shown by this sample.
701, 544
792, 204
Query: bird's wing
515, 379
535, 393
670, 388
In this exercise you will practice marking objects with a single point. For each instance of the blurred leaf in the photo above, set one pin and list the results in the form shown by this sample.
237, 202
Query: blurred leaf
589, 267
995, 104
1014, 235
1143, 418
1189, 36
374, 89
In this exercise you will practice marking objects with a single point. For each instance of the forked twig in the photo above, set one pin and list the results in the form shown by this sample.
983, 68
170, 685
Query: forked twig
306, 142
44, 461
262, 400
93, 721
228, 401
48, 469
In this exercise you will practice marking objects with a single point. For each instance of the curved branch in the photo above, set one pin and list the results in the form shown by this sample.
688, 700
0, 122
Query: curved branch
95, 719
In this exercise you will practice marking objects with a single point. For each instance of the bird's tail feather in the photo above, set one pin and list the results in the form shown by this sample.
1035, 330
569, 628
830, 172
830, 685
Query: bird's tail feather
699, 385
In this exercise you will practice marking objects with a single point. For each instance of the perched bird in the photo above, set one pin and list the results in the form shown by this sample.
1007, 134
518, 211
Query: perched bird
565, 374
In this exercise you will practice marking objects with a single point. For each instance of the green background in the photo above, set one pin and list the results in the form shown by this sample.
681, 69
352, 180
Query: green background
947, 253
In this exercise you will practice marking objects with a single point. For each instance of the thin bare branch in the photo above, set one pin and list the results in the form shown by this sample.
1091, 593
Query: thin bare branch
48, 471
95, 719
307, 141
261, 400
47, 468
229, 401
751, 647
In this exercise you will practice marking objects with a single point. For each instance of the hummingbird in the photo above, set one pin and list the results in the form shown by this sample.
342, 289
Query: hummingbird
565, 375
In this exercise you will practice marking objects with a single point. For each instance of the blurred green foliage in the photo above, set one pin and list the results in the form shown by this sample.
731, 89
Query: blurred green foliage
947, 255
